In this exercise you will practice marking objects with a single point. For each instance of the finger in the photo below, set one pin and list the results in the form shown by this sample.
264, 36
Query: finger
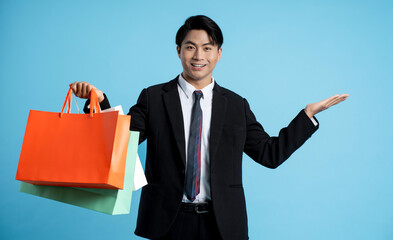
332, 103
336, 97
332, 98
73, 87
83, 90
338, 100
79, 89
343, 97
326, 102
89, 87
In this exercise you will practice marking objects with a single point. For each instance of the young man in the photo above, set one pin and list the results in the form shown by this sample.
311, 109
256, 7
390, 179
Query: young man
196, 134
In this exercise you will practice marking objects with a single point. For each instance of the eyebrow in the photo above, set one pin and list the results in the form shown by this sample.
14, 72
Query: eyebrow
191, 42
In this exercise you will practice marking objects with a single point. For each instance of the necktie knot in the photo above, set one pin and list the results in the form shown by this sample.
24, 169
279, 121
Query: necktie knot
198, 94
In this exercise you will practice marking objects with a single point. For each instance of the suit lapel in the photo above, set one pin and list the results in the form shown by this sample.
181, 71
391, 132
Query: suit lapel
174, 111
219, 107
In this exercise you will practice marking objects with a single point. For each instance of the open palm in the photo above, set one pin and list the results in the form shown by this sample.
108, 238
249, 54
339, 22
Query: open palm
314, 108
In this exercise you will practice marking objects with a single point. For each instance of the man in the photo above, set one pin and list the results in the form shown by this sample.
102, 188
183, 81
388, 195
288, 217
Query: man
196, 134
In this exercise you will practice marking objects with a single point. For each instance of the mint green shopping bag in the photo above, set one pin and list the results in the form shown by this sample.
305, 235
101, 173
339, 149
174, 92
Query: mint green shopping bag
110, 201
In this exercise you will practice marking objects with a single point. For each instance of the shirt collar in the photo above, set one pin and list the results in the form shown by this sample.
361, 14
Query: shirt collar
188, 89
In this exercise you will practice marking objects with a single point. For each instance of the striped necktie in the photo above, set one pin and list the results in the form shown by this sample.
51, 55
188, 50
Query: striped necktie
194, 150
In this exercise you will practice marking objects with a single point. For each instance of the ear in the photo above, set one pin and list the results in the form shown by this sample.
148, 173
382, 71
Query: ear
219, 53
178, 51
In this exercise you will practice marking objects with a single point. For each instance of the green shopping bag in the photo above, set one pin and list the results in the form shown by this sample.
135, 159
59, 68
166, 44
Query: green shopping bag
110, 201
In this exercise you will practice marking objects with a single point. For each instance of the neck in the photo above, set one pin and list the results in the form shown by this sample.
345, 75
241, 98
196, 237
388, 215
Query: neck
198, 84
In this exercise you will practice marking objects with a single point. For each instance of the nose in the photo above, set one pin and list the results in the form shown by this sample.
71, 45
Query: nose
198, 54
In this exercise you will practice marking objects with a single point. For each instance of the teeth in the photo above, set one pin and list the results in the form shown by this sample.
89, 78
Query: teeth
195, 65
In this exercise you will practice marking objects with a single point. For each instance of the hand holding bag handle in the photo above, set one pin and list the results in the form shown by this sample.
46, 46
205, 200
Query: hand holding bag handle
94, 105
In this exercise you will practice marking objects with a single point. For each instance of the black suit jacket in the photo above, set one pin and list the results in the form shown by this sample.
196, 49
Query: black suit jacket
234, 130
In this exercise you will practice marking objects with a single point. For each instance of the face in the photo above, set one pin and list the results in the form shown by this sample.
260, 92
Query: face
198, 56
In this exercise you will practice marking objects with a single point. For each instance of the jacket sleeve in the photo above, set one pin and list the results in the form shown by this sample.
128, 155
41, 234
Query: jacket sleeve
269, 151
139, 115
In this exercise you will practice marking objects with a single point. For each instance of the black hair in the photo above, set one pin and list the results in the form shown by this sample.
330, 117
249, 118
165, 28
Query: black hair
200, 22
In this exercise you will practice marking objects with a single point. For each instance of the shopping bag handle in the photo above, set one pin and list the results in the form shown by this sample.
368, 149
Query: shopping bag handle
67, 100
94, 104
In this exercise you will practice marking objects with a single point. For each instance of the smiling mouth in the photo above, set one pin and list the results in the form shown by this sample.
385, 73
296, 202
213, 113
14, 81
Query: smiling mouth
198, 66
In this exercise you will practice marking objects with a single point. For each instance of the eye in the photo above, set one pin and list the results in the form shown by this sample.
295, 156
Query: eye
189, 47
208, 48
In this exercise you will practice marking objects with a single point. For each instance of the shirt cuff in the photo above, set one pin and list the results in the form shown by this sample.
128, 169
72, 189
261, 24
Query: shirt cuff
314, 121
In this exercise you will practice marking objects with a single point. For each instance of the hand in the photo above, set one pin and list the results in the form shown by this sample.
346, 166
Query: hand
82, 90
314, 108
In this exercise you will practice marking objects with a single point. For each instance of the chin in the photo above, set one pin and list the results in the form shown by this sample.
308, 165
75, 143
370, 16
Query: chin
199, 78
193, 77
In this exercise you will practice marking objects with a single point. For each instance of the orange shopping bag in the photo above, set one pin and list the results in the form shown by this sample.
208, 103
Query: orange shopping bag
75, 150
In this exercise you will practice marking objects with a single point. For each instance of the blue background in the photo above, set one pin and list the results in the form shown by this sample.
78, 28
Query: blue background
280, 55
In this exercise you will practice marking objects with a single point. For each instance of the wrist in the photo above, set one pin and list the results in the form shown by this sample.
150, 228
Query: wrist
308, 112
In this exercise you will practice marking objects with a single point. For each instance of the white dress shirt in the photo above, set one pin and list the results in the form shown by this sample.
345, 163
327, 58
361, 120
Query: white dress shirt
186, 93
